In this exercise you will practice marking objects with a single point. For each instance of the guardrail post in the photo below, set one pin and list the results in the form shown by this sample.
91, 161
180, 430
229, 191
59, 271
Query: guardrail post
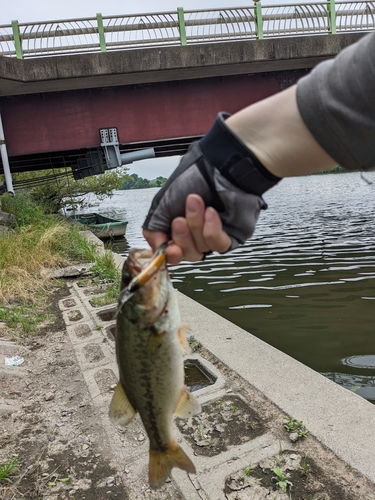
331, 8
17, 39
99, 20
258, 19
181, 25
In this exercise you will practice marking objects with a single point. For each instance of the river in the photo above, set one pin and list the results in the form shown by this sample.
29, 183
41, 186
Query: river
303, 283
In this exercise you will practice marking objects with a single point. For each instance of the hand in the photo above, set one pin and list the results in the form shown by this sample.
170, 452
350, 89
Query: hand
200, 231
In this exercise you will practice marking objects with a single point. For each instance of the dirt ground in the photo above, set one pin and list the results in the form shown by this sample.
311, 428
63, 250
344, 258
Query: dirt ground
49, 422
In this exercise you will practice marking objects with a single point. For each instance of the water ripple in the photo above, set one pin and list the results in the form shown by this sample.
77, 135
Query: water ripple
316, 224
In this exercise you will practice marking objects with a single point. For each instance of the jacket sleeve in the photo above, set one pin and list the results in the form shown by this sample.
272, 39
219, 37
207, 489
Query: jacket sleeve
337, 103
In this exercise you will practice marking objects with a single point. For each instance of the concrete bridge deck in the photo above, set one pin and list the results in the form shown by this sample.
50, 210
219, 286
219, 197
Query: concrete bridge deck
143, 66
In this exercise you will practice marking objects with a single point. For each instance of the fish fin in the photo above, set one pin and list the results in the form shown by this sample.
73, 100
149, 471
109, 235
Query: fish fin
121, 411
187, 405
162, 462
182, 331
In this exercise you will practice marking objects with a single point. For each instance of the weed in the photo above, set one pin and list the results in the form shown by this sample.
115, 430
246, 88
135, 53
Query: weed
293, 425
248, 471
194, 344
282, 479
234, 408
105, 269
252, 424
27, 252
225, 437
7, 468
306, 469
24, 209
25, 317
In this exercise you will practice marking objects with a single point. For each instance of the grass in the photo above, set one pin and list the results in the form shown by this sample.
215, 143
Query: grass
105, 270
7, 468
26, 317
28, 252
38, 243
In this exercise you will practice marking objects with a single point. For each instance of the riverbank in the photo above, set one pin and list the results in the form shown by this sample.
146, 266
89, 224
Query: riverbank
55, 420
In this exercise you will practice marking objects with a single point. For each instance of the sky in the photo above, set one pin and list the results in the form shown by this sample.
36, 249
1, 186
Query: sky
48, 10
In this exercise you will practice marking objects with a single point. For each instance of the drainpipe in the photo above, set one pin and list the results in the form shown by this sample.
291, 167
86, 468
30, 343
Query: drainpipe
4, 158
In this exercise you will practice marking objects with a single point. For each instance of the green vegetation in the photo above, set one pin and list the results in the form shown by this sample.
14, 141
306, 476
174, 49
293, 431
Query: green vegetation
293, 425
7, 468
194, 344
38, 243
133, 181
306, 469
334, 170
282, 479
105, 271
55, 189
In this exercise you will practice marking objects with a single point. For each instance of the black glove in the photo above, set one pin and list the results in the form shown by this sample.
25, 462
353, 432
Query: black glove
226, 174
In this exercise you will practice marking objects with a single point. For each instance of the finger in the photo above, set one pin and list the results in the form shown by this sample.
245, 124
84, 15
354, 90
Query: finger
181, 236
214, 235
195, 213
155, 238
175, 254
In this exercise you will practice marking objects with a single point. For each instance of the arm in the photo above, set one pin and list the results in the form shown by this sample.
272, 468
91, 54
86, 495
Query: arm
328, 118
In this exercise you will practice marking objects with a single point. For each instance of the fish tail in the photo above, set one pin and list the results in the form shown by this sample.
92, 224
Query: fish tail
162, 462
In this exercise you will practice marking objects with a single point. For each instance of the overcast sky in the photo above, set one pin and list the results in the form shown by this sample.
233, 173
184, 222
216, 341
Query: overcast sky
48, 10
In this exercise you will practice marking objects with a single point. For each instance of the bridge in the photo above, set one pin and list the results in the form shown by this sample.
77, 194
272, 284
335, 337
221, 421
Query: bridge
157, 80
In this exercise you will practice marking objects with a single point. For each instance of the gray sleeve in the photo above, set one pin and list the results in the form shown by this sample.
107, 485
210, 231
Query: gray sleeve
337, 104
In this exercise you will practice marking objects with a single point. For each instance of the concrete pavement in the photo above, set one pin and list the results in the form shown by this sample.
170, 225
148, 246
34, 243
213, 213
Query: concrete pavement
268, 385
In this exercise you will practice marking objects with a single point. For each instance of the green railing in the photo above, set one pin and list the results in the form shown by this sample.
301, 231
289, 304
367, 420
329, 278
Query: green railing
183, 27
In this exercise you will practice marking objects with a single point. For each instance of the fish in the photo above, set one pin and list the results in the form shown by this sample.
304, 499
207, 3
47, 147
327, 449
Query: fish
150, 347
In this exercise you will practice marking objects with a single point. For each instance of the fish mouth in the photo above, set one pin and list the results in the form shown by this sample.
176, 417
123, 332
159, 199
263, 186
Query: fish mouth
137, 259
150, 292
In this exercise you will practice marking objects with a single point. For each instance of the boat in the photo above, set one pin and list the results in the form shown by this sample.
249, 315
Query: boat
103, 227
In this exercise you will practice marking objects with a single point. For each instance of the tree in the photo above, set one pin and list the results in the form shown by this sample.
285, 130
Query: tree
133, 181
56, 189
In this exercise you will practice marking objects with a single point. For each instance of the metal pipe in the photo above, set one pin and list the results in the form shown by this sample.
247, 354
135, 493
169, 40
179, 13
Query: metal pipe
4, 158
142, 154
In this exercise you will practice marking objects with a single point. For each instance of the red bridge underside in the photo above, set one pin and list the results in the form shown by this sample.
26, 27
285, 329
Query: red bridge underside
62, 121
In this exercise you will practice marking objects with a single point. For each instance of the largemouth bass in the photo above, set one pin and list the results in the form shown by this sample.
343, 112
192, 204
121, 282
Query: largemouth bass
150, 343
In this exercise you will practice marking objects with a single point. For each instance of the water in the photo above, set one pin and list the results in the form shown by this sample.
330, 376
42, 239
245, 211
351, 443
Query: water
304, 283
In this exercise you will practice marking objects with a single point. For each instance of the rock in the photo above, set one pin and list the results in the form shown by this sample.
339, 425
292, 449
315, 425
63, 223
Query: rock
49, 396
293, 436
110, 481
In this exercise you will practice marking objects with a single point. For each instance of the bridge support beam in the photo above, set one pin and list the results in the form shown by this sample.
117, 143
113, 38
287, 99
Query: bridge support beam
5, 160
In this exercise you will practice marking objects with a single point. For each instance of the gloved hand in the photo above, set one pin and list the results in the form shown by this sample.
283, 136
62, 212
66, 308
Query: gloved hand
226, 174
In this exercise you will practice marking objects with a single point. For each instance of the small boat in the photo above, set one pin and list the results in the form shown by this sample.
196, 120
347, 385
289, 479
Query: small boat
103, 227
